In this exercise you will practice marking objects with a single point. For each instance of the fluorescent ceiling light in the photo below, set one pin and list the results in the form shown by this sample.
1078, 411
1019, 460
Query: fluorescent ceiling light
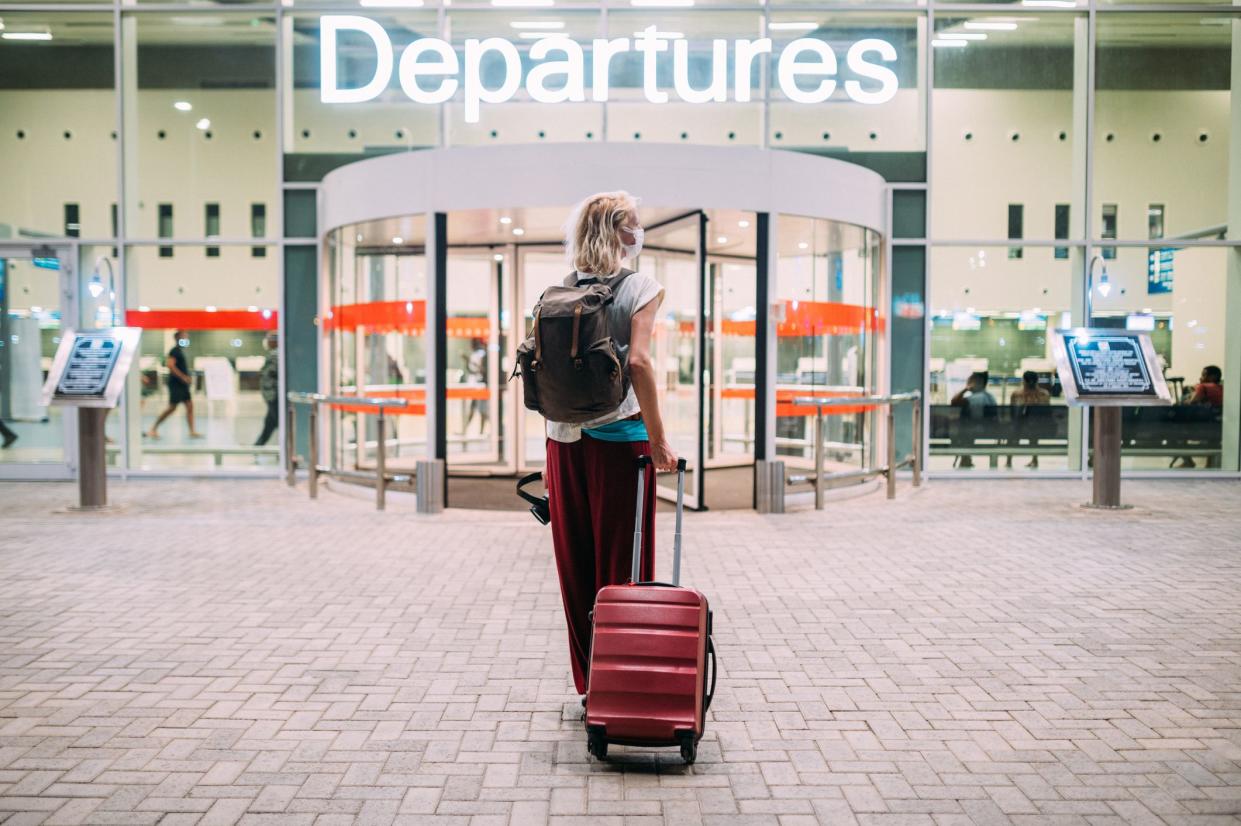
963, 36
943, 44
398, 240
203, 123
990, 25
518, 231
522, 4
743, 224
540, 35
721, 240
792, 27
663, 4
537, 24
1049, 4
27, 35
499, 256
390, 4
506, 220
182, 106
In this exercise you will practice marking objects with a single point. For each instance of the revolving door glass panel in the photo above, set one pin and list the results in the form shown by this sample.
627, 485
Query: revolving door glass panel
827, 338
376, 330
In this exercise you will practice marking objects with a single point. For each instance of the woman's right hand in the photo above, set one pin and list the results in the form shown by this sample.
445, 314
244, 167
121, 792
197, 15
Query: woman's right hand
663, 456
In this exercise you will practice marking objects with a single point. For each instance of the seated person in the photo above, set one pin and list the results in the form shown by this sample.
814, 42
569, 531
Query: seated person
1209, 392
974, 401
1030, 395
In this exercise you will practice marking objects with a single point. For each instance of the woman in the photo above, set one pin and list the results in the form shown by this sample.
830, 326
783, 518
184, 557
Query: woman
591, 470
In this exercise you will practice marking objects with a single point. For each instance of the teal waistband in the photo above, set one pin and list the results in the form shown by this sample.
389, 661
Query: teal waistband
626, 430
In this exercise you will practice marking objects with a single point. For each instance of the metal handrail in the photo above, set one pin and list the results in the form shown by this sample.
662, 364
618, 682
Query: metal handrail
313, 400
889, 469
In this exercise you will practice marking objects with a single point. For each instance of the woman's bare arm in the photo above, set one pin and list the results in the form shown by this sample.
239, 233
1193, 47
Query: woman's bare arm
642, 376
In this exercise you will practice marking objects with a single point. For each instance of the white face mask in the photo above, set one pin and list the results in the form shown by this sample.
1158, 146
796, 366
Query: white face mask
633, 250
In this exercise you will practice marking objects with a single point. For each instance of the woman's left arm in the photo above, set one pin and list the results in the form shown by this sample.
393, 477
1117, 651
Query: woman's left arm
642, 377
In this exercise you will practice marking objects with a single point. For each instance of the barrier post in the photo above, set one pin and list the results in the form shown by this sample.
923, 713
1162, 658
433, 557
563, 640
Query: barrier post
915, 438
818, 458
891, 451
290, 442
380, 449
1107, 446
313, 463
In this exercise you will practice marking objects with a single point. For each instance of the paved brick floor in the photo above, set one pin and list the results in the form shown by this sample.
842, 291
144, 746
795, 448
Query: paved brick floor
229, 652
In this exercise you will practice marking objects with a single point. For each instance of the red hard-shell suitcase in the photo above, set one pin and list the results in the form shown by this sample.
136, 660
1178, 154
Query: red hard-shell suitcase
648, 656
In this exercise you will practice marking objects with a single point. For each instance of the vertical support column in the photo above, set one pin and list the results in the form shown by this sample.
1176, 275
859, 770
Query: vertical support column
290, 443
818, 459
432, 479
917, 440
1231, 459
704, 369
381, 452
768, 492
1079, 210
891, 448
127, 216
312, 463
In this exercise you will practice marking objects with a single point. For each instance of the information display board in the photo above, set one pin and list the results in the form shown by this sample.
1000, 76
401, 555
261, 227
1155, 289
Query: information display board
90, 367
1109, 367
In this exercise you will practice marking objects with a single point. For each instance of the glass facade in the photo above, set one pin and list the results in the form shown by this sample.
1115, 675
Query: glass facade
1051, 162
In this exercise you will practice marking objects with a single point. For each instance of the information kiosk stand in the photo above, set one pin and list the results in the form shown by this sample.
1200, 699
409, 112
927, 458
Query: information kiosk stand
1106, 370
89, 373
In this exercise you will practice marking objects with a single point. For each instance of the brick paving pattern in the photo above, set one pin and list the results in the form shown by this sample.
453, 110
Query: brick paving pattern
230, 652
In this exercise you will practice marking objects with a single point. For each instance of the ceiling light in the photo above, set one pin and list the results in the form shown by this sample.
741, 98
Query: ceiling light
359, 238
941, 44
203, 123
182, 106
522, 4
990, 25
398, 240
1049, 4
27, 35
390, 4
801, 245
499, 256
743, 224
210, 308
537, 24
963, 35
664, 4
506, 220
518, 231
721, 240
142, 308
792, 27
252, 309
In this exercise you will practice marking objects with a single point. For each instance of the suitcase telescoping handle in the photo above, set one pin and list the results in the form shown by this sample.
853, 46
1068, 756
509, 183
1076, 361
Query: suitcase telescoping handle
635, 573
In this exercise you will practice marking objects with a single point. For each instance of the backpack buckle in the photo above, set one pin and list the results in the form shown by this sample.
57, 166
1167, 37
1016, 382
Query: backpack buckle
577, 364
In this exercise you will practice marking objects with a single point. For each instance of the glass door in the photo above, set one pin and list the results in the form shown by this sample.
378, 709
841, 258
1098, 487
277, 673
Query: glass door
673, 255
539, 266
37, 303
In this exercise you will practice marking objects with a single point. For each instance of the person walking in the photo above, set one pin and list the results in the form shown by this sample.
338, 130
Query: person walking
591, 470
269, 387
179, 382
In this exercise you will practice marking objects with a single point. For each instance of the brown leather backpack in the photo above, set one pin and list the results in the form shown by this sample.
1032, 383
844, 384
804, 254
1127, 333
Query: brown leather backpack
570, 367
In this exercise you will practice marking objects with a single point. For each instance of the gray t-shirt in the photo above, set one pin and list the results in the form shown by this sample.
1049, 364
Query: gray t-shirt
634, 292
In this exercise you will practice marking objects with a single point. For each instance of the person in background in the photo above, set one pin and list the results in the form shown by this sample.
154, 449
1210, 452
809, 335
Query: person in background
179, 382
1030, 395
7, 434
269, 387
476, 373
974, 401
1208, 392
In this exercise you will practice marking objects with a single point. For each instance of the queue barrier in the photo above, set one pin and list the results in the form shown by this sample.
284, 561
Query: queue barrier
381, 479
867, 403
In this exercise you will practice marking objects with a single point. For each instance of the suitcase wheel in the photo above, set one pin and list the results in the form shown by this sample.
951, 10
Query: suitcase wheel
689, 749
597, 743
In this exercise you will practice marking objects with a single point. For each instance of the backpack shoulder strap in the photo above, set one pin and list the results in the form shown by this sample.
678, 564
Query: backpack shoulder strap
570, 280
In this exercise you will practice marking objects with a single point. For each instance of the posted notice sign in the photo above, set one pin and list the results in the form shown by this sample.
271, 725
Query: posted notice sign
1109, 367
90, 367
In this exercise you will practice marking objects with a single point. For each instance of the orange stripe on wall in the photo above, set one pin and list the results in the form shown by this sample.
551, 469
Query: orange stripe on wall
202, 319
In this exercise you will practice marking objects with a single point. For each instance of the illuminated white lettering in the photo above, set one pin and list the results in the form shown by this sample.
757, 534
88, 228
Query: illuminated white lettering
571, 68
746, 51
475, 91
856, 61
329, 26
718, 89
789, 69
410, 69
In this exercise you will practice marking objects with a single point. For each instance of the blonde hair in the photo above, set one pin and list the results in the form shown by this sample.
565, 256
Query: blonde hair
592, 235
